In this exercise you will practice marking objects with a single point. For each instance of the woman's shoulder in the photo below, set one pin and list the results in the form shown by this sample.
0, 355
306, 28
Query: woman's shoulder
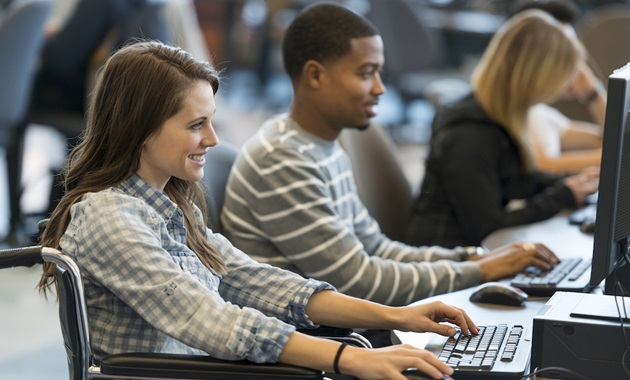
465, 117
110, 203
111, 196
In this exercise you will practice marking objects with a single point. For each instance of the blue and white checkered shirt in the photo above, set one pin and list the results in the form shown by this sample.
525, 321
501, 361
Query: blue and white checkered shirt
146, 291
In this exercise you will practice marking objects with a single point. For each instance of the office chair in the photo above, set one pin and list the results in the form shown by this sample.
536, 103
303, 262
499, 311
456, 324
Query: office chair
21, 36
604, 32
219, 160
381, 183
131, 366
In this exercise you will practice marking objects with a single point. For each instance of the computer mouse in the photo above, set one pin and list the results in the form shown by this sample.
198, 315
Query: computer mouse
498, 293
415, 374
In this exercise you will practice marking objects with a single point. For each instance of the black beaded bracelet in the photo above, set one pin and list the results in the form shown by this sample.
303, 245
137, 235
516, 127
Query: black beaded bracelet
337, 356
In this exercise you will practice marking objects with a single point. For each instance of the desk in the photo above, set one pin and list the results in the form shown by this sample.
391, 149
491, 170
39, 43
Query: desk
564, 239
556, 233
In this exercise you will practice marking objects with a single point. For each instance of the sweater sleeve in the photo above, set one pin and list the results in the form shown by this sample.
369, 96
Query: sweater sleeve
287, 199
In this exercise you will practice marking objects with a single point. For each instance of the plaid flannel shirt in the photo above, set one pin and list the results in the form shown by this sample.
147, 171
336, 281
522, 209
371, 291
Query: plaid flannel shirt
146, 291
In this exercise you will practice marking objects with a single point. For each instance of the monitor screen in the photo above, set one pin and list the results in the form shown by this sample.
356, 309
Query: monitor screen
612, 228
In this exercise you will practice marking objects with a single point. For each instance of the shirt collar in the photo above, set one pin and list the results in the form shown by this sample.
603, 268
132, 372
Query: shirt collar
139, 188
323, 143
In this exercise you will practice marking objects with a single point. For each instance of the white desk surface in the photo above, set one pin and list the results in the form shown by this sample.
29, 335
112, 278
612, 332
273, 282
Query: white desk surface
564, 239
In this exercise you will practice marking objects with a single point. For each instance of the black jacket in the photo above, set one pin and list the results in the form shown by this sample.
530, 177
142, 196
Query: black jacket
472, 172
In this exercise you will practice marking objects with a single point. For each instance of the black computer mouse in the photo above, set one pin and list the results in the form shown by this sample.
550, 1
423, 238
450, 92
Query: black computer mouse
498, 293
415, 374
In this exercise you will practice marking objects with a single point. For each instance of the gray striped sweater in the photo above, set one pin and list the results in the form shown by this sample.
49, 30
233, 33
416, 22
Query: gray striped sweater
291, 201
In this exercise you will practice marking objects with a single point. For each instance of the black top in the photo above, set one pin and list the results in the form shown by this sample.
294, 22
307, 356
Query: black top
472, 172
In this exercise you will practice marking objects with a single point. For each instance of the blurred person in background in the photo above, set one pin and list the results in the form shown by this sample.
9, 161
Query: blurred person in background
481, 156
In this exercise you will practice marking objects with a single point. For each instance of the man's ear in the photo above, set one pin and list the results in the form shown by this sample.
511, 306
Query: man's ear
312, 73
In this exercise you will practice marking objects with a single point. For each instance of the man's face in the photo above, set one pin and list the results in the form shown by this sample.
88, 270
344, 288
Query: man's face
352, 85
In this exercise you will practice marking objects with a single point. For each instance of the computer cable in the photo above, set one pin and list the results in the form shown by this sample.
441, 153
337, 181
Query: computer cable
621, 292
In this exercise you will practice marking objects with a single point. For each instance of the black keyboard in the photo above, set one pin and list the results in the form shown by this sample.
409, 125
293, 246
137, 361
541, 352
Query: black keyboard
481, 351
570, 275
498, 352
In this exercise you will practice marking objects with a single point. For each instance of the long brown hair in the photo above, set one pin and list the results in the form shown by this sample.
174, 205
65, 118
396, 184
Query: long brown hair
531, 59
138, 89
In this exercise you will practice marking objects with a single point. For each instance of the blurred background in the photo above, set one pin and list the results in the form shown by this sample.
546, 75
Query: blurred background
431, 47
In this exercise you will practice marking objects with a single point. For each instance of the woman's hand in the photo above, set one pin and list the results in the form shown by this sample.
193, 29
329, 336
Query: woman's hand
583, 184
584, 83
426, 317
389, 362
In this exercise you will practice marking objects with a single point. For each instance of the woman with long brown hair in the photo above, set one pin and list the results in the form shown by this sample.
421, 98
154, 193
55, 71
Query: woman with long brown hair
157, 279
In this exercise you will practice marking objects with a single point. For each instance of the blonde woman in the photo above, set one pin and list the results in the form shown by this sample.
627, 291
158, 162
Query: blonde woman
481, 155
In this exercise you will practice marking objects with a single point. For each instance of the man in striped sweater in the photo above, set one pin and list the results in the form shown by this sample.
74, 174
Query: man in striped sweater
291, 200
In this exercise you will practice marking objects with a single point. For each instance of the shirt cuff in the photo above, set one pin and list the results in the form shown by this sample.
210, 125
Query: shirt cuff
470, 274
258, 338
297, 308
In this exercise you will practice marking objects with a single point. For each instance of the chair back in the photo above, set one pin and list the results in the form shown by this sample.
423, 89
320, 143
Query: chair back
410, 44
72, 312
604, 32
149, 23
219, 161
382, 185
72, 315
21, 37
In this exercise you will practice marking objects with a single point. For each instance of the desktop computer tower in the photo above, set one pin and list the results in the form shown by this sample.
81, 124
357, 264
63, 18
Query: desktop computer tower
582, 333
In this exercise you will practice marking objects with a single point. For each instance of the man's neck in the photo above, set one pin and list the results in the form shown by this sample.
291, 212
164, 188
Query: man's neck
312, 122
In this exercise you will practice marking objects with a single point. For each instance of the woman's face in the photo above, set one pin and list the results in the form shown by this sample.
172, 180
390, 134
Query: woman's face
177, 149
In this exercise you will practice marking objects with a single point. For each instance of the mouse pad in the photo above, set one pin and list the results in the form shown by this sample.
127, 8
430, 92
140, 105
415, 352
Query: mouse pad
603, 307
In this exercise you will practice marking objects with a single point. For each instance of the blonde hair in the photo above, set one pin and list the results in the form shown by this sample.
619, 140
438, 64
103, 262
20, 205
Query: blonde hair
531, 59
140, 87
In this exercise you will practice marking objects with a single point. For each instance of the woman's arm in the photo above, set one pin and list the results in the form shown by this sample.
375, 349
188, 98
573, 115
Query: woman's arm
562, 145
581, 135
384, 363
336, 309
589, 91
586, 151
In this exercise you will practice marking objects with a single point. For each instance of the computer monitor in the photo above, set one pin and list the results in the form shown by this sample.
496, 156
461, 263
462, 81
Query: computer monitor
612, 229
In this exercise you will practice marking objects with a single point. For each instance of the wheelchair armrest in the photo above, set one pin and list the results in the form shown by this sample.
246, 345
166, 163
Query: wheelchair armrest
327, 331
21, 257
175, 366
339, 334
